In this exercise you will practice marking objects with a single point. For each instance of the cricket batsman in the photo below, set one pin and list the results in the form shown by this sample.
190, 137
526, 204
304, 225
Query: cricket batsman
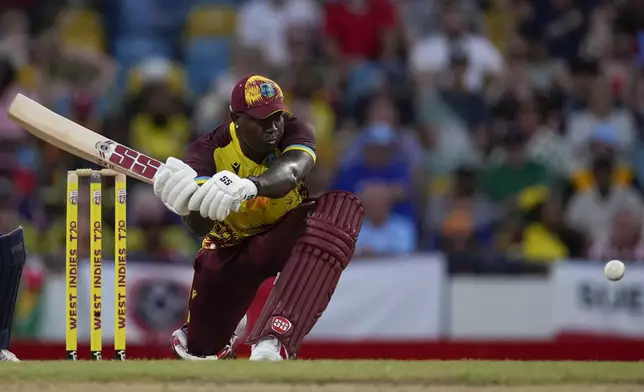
12, 261
242, 187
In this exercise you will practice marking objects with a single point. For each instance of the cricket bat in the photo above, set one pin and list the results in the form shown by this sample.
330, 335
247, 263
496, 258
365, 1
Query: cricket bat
80, 141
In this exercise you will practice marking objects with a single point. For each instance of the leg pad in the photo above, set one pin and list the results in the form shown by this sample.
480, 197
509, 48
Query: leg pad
311, 273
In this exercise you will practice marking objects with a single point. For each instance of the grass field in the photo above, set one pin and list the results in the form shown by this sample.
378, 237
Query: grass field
323, 376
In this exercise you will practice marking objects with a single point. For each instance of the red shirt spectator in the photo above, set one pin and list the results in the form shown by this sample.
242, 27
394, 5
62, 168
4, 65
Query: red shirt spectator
358, 27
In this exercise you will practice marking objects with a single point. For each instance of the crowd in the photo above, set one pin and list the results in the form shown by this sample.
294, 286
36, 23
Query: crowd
504, 133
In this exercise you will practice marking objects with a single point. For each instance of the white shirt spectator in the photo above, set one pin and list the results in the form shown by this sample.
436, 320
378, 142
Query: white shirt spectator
591, 214
263, 24
432, 55
396, 236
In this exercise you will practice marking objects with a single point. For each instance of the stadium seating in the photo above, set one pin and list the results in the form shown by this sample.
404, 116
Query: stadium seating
130, 50
162, 18
205, 59
211, 21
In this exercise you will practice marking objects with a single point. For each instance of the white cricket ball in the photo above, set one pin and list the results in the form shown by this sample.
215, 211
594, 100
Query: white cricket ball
614, 270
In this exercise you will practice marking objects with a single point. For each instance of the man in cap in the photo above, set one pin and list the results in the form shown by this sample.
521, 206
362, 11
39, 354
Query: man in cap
241, 186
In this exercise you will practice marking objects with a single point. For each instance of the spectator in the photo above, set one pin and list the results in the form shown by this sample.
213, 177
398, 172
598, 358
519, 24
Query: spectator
622, 241
432, 54
265, 25
9, 131
462, 218
577, 85
603, 144
561, 23
19, 160
517, 79
380, 165
305, 94
381, 109
598, 41
154, 237
14, 37
546, 145
545, 73
10, 216
637, 108
156, 113
545, 238
359, 30
383, 231
162, 118
362, 44
421, 18
518, 175
619, 67
591, 209
602, 112
311, 105
454, 116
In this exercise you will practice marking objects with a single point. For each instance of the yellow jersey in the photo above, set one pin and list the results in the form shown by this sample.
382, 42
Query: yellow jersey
220, 150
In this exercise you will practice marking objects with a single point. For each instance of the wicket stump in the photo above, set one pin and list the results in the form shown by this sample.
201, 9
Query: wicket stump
96, 263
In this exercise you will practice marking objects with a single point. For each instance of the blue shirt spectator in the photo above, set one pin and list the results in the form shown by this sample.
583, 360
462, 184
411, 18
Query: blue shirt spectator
379, 165
384, 232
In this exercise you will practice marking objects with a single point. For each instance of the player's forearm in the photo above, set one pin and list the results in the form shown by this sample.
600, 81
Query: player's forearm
278, 181
289, 170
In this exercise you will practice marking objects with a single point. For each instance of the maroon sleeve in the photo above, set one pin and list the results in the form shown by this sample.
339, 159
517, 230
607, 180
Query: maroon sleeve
298, 133
200, 154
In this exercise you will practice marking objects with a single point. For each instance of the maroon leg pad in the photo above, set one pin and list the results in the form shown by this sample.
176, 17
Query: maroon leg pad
311, 273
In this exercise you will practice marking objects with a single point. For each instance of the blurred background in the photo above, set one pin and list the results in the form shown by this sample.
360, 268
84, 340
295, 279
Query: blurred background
491, 140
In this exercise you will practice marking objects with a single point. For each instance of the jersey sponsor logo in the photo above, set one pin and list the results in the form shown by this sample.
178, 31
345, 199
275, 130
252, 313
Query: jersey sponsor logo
236, 167
281, 325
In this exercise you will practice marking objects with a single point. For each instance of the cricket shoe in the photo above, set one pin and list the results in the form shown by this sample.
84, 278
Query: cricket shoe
8, 356
179, 343
268, 349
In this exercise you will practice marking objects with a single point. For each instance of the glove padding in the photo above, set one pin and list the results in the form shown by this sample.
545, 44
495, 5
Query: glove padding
221, 194
175, 184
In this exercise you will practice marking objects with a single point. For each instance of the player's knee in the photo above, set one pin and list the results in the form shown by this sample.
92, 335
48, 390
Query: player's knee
335, 224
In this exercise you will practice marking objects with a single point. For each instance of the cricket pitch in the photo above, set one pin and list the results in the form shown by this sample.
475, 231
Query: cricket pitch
322, 376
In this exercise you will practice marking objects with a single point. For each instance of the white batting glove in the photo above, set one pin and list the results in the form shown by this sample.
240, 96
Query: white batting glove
221, 194
175, 184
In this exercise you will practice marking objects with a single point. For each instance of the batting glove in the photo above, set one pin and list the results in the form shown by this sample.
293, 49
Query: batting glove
221, 194
174, 184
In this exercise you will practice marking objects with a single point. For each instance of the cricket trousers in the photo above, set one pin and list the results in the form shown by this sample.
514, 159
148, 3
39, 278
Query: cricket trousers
226, 281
